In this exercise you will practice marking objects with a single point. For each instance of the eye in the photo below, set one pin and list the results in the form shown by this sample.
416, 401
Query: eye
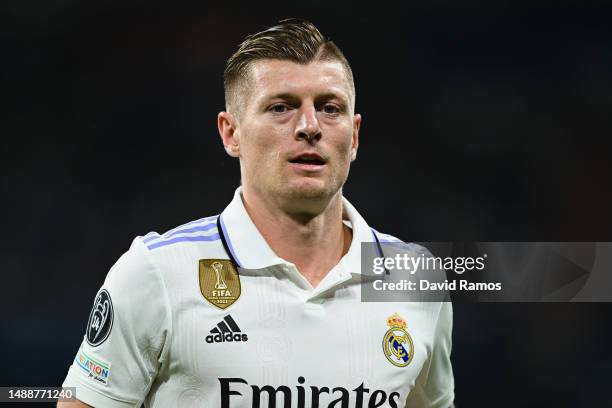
331, 109
279, 108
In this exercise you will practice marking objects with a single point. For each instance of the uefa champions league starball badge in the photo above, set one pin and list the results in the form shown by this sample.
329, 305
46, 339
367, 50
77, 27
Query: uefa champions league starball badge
397, 343
100, 320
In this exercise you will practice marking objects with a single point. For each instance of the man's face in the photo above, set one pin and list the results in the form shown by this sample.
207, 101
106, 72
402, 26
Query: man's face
297, 133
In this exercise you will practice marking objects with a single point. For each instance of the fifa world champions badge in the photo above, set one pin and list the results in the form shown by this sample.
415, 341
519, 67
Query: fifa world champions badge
219, 282
397, 343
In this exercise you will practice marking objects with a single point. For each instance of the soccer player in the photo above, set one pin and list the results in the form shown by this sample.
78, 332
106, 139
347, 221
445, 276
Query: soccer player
260, 306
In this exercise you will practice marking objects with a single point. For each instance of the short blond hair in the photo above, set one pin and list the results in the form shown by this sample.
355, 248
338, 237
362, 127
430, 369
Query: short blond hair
291, 39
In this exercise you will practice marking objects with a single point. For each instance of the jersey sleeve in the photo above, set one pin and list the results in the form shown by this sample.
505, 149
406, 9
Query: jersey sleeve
127, 335
435, 385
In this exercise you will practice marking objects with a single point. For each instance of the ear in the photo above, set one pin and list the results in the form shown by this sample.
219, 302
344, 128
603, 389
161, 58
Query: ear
355, 143
229, 133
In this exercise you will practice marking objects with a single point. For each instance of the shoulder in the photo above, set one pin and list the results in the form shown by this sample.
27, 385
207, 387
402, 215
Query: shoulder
392, 241
178, 249
203, 230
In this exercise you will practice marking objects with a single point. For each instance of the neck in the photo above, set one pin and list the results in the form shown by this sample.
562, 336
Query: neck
313, 241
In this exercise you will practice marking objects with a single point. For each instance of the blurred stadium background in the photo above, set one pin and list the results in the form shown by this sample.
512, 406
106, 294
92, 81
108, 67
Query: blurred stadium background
480, 123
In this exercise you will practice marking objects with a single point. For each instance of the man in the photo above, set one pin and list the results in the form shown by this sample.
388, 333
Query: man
260, 306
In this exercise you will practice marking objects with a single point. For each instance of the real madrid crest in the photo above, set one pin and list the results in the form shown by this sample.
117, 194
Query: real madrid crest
219, 282
397, 343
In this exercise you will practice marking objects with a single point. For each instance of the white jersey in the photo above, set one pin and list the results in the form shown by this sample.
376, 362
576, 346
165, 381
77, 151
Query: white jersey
176, 324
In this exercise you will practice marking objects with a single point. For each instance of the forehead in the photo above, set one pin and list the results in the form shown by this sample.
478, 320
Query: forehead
272, 77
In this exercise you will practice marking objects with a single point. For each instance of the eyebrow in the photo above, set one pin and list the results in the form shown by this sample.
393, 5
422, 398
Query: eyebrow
284, 95
294, 99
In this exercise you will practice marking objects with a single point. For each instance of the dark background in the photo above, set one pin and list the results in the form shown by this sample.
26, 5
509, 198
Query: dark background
480, 123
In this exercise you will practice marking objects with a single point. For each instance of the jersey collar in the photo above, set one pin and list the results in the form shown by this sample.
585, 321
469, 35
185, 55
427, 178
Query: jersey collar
251, 251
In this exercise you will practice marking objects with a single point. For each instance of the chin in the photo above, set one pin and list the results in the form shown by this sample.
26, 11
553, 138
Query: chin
309, 190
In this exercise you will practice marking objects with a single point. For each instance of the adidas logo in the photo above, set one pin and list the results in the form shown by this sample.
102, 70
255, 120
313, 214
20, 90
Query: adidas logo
226, 330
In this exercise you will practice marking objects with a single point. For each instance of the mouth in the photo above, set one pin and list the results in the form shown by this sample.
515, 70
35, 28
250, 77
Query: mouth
308, 161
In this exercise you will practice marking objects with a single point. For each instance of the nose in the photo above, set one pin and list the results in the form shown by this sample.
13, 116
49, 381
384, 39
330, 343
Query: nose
307, 127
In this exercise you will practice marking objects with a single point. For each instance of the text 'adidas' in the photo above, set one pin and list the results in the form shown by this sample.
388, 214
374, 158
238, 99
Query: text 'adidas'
227, 330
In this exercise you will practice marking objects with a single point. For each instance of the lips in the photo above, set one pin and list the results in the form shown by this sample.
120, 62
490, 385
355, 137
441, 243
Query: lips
308, 162
308, 158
